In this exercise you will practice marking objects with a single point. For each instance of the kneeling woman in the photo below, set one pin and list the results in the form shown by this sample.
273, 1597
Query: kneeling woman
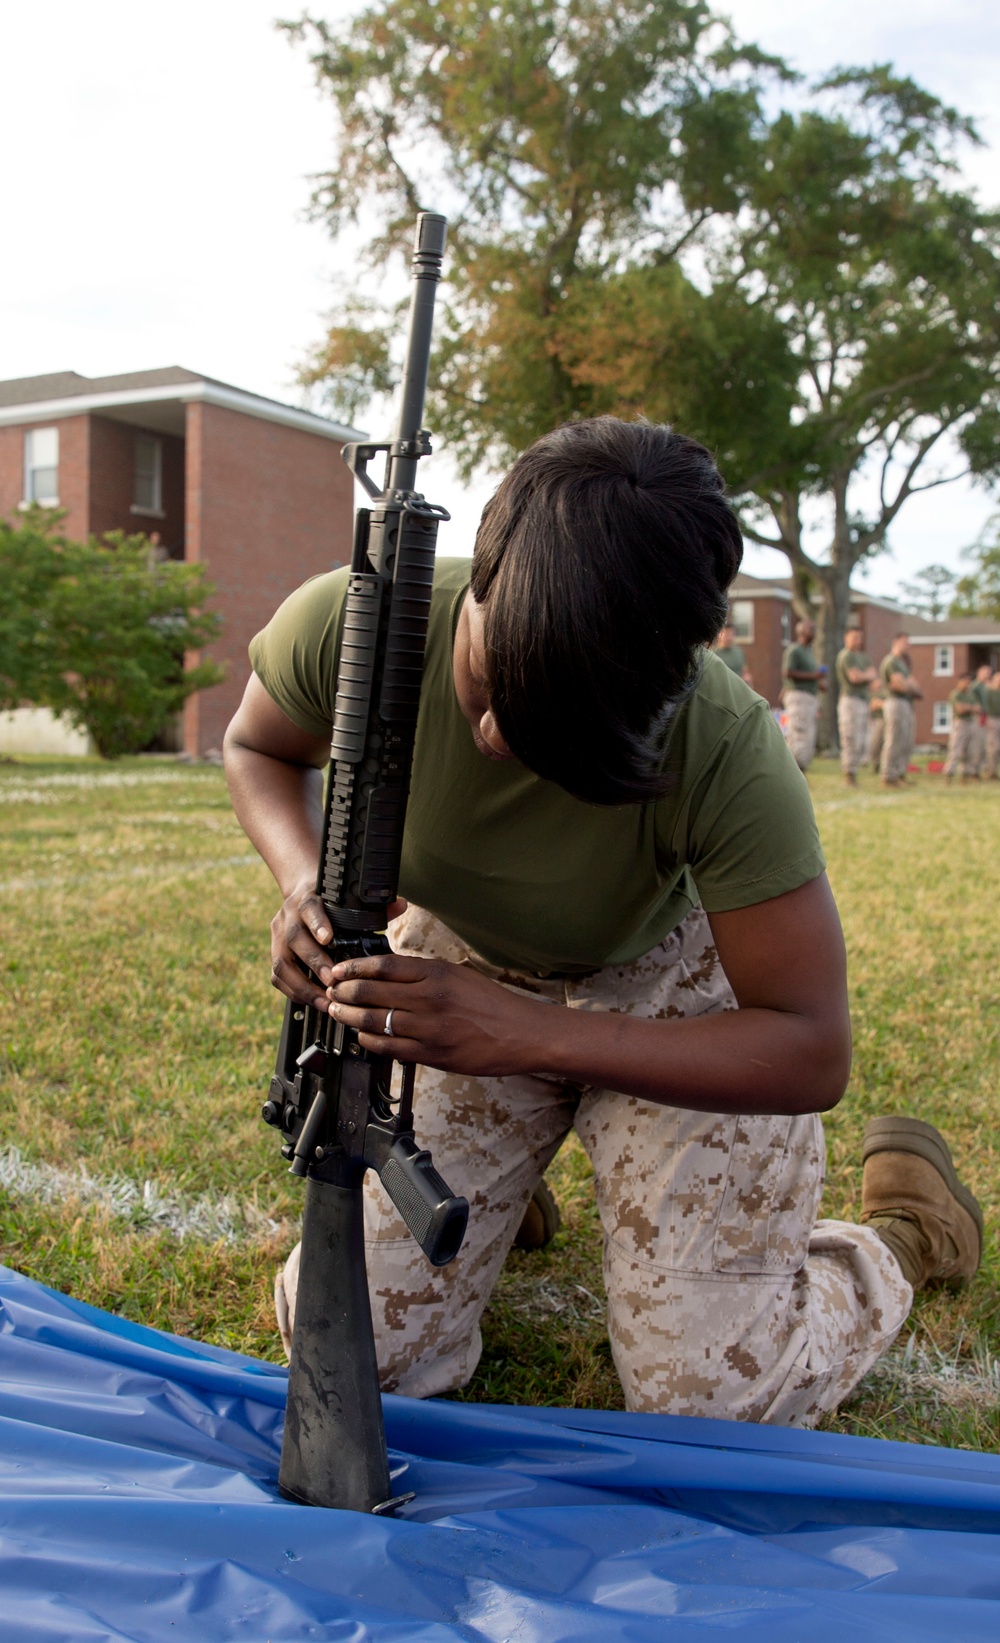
618, 922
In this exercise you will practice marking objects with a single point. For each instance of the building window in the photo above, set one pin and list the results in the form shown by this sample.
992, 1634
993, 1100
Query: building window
941, 723
147, 482
741, 620
944, 661
786, 625
41, 466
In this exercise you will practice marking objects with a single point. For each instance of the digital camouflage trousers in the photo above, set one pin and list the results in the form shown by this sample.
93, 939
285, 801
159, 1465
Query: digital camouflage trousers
801, 718
725, 1296
852, 727
897, 746
963, 752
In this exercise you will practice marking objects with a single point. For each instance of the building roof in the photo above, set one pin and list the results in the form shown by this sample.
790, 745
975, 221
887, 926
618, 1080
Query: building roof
780, 587
152, 399
761, 587
973, 629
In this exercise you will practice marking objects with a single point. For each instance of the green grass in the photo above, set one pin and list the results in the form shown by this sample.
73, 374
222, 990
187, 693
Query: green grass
138, 1030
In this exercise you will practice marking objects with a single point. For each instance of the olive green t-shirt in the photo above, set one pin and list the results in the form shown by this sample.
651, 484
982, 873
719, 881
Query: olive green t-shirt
965, 703
891, 665
732, 655
979, 688
992, 702
800, 659
530, 877
853, 659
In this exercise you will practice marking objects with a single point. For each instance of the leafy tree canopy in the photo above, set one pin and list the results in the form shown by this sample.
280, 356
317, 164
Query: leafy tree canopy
845, 326
565, 139
810, 292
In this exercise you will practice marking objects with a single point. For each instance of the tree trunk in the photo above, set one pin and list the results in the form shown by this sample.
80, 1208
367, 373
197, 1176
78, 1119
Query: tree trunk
834, 615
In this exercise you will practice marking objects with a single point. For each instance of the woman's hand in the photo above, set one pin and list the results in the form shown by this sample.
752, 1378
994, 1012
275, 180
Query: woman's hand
443, 1015
300, 932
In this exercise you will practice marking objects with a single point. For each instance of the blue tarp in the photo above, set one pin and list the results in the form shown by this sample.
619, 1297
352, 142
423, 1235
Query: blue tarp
138, 1501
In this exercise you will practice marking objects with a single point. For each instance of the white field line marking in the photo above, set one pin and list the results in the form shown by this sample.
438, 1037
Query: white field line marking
41, 789
163, 870
147, 1206
875, 803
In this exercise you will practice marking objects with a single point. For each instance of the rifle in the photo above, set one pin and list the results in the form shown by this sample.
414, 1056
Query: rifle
333, 1102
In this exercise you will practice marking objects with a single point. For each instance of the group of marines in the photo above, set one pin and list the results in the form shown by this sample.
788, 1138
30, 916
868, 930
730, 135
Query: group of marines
974, 737
876, 720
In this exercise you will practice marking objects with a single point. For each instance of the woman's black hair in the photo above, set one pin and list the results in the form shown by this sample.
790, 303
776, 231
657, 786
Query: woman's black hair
602, 563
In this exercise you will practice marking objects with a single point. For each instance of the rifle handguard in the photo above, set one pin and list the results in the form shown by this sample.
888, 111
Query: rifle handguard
433, 1214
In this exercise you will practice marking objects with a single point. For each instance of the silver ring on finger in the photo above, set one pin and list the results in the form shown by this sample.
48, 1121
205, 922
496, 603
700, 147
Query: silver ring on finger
387, 1029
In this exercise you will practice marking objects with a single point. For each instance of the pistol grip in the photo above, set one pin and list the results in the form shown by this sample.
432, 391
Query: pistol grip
433, 1214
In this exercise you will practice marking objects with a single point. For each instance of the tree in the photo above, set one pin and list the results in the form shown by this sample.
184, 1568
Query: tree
810, 294
565, 139
930, 592
31, 563
98, 632
845, 330
978, 593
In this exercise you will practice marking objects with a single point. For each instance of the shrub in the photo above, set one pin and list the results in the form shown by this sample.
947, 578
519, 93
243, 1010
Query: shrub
98, 631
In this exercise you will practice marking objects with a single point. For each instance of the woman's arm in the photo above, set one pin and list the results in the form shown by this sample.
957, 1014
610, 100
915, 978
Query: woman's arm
787, 1048
274, 771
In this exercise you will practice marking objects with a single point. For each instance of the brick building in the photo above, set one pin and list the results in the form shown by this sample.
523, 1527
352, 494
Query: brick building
252, 489
764, 618
939, 652
760, 609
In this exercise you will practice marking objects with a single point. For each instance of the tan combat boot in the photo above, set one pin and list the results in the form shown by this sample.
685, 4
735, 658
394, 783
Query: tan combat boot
286, 1284
541, 1219
913, 1199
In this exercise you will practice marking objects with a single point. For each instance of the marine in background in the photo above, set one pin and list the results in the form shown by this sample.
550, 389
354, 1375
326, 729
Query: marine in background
992, 760
963, 758
731, 653
980, 685
803, 682
855, 677
900, 691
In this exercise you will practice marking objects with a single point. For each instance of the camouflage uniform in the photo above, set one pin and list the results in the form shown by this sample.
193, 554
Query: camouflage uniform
725, 1296
961, 748
877, 730
852, 710
900, 720
852, 726
963, 752
978, 749
897, 745
801, 717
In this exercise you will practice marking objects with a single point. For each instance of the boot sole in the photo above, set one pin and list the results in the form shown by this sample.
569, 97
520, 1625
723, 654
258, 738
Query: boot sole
542, 1219
913, 1135
281, 1311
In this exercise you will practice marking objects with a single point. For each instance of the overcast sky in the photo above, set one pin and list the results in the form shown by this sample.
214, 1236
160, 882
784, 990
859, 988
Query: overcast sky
155, 191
